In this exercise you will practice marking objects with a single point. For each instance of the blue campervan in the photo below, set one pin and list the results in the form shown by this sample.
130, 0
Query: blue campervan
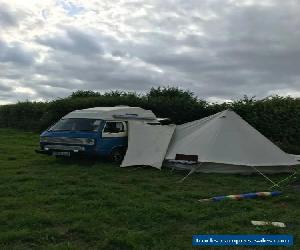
100, 131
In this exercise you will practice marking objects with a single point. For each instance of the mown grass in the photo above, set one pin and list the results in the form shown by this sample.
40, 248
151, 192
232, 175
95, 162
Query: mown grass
49, 203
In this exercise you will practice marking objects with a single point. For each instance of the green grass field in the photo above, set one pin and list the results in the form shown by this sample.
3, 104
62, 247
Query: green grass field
49, 203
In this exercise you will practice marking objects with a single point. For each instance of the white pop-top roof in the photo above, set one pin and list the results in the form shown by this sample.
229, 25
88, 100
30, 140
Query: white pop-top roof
113, 113
226, 138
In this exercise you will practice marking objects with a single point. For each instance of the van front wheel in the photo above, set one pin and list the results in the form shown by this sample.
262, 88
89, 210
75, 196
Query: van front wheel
117, 155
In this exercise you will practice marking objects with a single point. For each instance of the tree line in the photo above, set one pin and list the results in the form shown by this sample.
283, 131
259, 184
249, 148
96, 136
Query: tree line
276, 117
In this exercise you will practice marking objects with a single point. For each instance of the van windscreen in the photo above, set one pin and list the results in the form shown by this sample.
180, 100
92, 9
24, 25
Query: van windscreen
75, 124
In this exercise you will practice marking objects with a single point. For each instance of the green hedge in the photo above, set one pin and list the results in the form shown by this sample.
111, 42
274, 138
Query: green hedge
278, 118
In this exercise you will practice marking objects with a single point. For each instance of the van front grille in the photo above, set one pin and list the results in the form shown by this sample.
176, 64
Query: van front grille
64, 147
67, 140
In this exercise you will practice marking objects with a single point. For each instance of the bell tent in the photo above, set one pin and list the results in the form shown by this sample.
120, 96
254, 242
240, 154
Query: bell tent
225, 143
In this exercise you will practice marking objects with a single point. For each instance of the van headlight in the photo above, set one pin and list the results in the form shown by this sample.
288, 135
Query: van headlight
43, 139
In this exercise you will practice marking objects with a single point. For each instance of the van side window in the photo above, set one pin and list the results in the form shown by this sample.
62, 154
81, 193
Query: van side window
114, 127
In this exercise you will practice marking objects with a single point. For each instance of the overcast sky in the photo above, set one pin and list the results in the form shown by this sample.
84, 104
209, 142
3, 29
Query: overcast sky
219, 49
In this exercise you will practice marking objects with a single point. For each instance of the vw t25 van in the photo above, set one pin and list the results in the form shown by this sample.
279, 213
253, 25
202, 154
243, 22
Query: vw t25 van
100, 131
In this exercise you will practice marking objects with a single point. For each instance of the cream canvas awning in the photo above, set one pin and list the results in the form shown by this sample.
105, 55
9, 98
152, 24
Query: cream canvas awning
147, 144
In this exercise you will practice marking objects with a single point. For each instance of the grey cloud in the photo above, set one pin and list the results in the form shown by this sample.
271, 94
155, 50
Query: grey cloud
8, 17
4, 88
16, 53
215, 48
247, 50
98, 73
72, 40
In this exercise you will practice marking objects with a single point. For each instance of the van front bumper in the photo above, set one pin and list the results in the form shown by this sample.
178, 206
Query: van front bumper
51, 149
59, 152
55, 147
